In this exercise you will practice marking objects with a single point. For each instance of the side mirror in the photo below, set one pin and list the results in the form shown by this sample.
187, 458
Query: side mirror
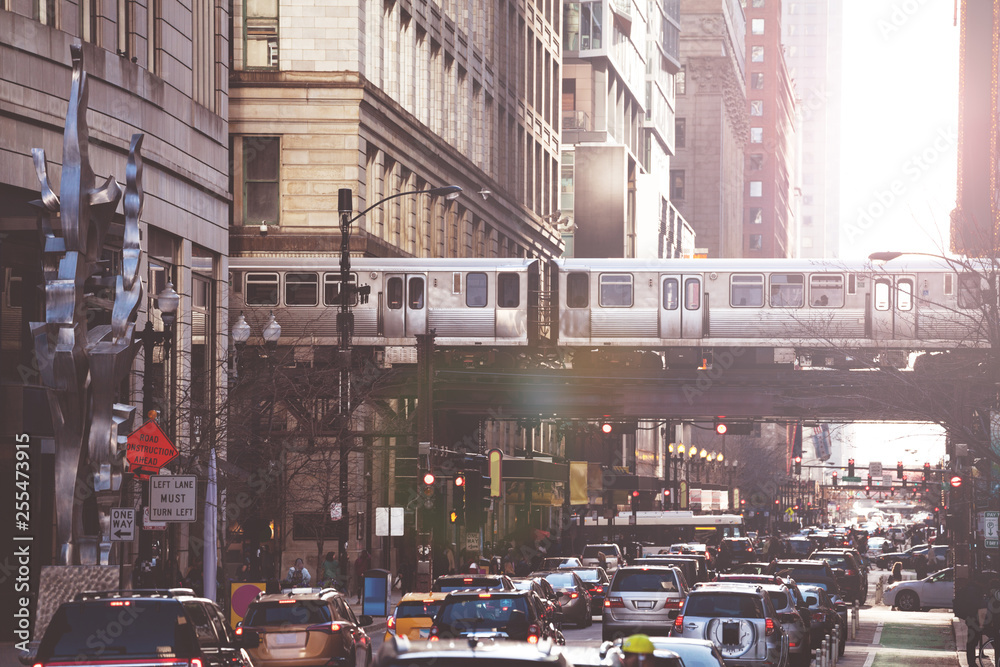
247, 638
365, 620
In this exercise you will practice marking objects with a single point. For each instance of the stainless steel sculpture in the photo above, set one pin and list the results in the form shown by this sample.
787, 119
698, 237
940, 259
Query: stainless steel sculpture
82, 366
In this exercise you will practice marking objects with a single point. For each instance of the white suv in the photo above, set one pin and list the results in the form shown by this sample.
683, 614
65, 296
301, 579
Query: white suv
612, 553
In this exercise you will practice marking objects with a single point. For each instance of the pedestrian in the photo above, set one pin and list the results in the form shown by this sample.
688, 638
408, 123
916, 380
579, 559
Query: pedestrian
967, 603
298, 575
897, 572
450, 555
362, 564
331, 571
920, 565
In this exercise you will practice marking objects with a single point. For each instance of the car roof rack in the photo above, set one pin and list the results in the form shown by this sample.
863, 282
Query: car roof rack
135, 593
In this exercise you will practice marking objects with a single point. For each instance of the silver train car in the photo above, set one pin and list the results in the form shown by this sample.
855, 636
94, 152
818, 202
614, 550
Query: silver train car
625, 311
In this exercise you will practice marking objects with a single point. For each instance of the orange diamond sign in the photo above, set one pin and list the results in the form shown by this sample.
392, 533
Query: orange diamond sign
148, 450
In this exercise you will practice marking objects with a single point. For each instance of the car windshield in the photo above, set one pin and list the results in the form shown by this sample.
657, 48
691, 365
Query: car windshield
643, 581
456, 584
724, 604
418, 609
561, 580
148, 628
778, 599
587, 575
290, 612
836, 560
479, 612
800, 573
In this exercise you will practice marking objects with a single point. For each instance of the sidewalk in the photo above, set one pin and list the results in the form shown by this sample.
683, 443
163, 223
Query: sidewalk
915, 639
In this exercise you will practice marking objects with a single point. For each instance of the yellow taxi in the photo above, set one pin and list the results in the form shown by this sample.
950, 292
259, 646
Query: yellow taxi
414, 615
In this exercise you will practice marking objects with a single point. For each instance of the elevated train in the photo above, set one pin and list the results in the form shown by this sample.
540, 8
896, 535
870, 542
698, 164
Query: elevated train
647, 313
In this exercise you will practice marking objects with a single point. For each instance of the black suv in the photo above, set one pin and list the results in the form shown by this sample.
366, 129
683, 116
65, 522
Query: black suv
514, 615
849, 570
112, 628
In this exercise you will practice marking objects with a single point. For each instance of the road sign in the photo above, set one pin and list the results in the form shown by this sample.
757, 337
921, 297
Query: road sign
172, 498
988, 524
122, 524
887, 481
148, 450
388, 521
875, 469
149, 524
850, 479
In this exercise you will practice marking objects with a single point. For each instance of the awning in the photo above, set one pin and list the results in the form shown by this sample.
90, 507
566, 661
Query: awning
539, 470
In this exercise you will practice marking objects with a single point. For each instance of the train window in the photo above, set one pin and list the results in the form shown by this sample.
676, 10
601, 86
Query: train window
692, 293
416, 296
852, 284
970, 291
826, 290
747, 291
577, 290
882, 292
949, 284
394, 293
787, 290
301, 289
262, 289
671, 295
508, 290
904, 294
476, 290
331, 289
616, 290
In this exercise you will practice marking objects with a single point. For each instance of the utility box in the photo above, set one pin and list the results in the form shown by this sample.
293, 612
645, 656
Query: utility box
375, 587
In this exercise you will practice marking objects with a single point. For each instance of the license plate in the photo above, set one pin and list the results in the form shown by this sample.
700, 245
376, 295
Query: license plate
285, 638
731, 633
644, 604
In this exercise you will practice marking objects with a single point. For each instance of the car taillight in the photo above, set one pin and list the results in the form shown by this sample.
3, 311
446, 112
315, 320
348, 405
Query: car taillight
597, 589
614, 603
238, 631
675, 603
390, 623
325, 627
196, 662
819, 617
573, 596
678, 622
851, 573
533, 631
433, 633
768, 627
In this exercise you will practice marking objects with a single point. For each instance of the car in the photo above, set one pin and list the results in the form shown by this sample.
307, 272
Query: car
852, 575
878, 546
447, 583
557, 562
808, 571
402, 652
798, 547
413, 616
694, 652
735, 551
886, 561
516, 615
597, 581
543, 589
574, 598
613, 557
153, 626
934, 592
307, 627
688, 566
705, 571
642, 599
824, 615
740, 620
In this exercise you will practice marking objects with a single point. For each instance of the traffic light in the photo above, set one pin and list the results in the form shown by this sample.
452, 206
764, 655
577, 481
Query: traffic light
427, 483
477, 495
869, 480
798, 465
607, 428
725, 426
850, 467
835, 477
458, 500
899, 470
927, 472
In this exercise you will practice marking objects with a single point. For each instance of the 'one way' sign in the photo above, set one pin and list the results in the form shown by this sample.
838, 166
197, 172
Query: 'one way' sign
122, 524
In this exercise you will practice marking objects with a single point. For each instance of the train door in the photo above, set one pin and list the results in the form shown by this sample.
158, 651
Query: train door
405, 305
893, 307
680, 306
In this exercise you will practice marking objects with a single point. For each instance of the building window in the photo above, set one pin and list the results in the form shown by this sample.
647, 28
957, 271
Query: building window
756, 161
680, 132
583, 25
756, 54
757, 80
756, 107
756, 135
261, 166
756, 188
45, 12
757, 26
680, 84
756, 241
756, 215
677, 184
261, 34
807, 220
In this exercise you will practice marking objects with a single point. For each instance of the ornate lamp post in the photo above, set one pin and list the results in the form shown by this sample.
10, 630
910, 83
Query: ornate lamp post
167, 302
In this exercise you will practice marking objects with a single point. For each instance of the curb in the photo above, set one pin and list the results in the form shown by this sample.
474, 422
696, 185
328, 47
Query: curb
961, 636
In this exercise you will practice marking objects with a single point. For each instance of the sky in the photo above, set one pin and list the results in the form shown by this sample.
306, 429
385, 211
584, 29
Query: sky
899, 125
898, 161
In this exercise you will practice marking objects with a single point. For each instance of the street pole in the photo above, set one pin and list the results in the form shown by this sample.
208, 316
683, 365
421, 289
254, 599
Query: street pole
345, 326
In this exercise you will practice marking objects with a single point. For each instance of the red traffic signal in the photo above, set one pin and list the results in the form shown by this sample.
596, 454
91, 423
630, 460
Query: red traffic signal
666, 493
606, 428
725, 426
899, 470
429, 478
850, 467
721, 428
460, 480
635, 494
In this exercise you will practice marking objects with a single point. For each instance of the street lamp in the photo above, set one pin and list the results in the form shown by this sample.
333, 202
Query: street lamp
345, 318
